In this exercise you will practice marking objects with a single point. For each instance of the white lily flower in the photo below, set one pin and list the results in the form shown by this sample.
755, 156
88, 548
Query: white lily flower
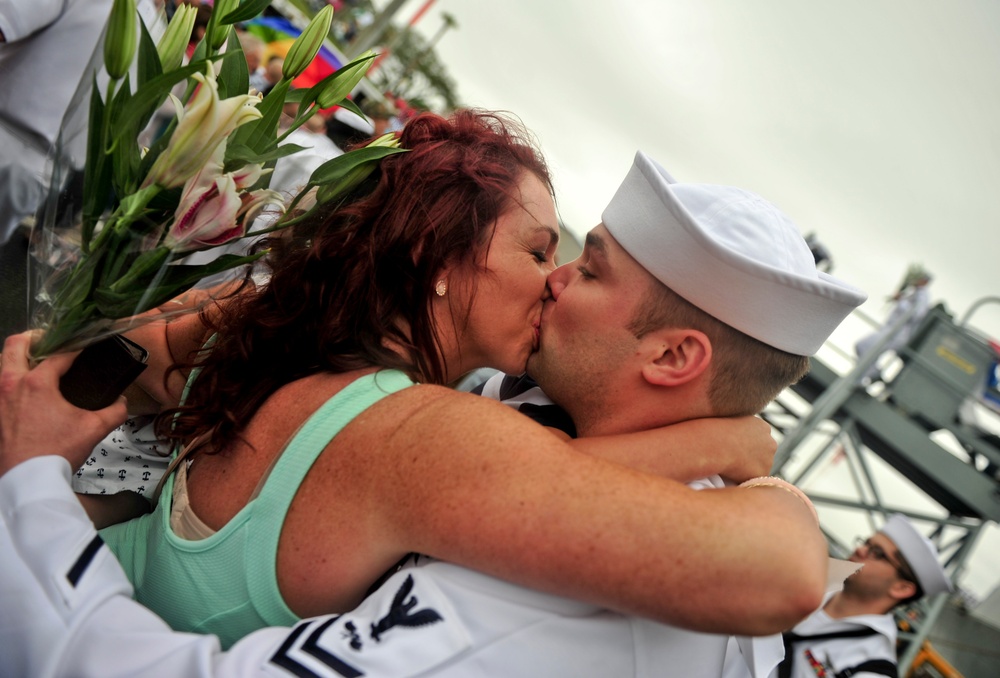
249, 175
202, 126
258, 200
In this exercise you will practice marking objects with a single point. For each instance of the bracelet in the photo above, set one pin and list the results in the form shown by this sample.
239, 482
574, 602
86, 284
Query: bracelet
774, 481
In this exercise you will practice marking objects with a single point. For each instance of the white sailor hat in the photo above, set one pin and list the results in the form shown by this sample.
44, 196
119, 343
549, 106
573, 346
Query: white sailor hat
730, 253
919, 553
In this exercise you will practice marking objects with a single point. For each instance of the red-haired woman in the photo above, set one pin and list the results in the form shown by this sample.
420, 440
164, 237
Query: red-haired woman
321, 443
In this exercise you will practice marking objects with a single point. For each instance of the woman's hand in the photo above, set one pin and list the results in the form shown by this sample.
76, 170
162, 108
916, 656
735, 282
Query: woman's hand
744, 446
35, 420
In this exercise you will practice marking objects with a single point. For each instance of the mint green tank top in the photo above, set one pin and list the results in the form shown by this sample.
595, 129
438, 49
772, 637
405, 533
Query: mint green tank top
227, 583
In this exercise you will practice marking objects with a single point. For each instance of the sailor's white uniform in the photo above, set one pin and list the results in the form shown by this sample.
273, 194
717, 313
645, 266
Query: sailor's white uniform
845, 656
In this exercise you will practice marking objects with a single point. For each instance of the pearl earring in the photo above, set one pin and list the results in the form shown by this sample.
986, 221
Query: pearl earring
441, 288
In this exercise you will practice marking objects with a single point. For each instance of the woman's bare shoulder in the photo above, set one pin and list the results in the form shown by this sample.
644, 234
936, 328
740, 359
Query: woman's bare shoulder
444, 413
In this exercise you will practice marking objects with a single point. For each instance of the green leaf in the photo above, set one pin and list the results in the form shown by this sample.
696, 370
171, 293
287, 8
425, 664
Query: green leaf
64, 329
174, 280
295, 96
121, 151
342, 165
149, 68
353, 108
234, 78
247, 10
117, 305
125, 159
148, 64
142, 271
97, 175
260, 134
152, 94
75, 288
336, 86
119, 248
239, 155
200, 51
356, 172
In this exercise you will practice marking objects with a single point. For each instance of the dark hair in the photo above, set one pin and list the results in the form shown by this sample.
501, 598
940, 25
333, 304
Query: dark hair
351, 288
905, 572
747, 374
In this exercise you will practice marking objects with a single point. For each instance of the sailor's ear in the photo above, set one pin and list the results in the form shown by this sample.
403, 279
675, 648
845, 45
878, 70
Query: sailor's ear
902, 589
676, 356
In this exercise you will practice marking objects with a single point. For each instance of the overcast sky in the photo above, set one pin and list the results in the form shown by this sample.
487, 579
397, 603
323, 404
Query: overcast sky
873, 123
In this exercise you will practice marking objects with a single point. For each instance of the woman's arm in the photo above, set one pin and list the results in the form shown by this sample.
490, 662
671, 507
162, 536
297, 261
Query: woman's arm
174, 334
111, 509
735, 448
467, 480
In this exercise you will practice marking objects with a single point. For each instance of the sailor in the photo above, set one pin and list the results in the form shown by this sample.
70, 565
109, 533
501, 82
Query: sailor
854, 632
680, 289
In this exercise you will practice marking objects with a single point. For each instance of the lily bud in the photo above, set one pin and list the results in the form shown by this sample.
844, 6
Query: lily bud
344, 173
307, 45
217, 32
345, 80
175, 39
120, 39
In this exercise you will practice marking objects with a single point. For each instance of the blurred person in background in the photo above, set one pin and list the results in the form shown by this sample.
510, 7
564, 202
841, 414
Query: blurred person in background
854, 632
45, 48
912, 299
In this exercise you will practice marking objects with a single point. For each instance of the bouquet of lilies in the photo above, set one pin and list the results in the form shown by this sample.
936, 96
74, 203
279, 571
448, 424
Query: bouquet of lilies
201, 183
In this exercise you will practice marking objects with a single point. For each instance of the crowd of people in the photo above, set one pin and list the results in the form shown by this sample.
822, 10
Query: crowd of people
332, 506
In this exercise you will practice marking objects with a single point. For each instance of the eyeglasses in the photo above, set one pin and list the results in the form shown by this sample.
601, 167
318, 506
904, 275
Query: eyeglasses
878, 553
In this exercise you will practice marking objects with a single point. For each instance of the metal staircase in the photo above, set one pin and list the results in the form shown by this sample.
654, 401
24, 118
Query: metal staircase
943, 365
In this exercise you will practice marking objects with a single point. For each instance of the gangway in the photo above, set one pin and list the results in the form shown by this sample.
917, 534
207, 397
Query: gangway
944, 364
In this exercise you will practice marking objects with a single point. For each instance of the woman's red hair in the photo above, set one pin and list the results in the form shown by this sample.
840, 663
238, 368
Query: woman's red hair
363, 273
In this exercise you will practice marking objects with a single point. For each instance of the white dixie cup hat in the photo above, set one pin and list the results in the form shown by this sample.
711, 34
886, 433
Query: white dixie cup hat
919, 553
732, 254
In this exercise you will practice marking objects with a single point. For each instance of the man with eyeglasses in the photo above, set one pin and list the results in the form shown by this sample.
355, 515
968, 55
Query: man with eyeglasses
854, 633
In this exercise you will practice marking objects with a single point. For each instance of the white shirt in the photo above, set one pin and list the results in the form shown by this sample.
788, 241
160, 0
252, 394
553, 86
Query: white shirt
49, 44
49, 47
843, 653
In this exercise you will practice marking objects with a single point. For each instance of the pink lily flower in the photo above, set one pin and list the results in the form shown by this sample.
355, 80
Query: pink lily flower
206, 216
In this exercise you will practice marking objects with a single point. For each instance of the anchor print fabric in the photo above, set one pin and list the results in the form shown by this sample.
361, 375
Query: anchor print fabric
129, 458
